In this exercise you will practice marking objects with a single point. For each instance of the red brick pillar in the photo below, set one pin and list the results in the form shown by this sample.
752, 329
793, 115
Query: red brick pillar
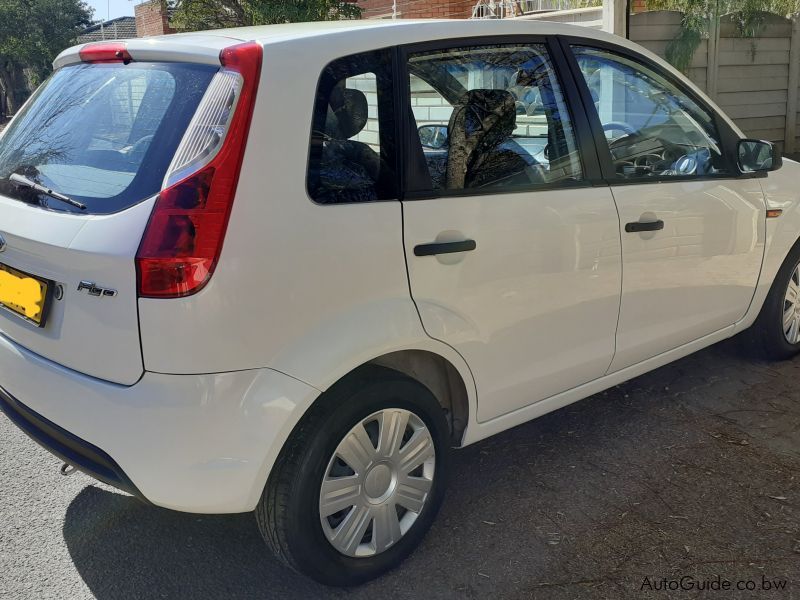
152, 18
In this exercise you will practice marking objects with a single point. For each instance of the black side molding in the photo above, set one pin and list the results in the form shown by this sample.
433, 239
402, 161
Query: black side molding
637, 226
444, 248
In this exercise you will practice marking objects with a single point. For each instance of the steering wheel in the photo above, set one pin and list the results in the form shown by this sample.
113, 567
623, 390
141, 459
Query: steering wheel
619, 126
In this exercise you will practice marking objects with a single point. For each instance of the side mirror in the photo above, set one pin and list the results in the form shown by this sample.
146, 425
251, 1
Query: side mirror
434, 137
758, 156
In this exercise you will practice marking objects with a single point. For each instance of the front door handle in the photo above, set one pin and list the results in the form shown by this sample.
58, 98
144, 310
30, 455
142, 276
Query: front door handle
444, 248
638, 226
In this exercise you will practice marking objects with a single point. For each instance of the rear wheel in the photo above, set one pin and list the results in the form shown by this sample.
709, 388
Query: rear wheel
776, 332
360, 480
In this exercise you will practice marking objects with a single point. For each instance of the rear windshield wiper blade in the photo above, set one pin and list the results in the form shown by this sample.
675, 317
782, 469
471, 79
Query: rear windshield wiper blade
22, 181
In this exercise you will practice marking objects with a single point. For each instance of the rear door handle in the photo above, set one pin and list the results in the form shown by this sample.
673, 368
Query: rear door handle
638, 226
444, 248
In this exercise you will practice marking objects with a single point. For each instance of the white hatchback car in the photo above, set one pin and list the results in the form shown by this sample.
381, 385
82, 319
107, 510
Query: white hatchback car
286, 268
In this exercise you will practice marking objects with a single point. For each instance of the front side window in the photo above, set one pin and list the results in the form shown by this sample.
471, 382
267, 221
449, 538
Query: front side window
351, 139
653, 129
491, 119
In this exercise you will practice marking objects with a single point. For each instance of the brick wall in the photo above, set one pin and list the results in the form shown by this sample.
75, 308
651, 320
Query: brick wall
428, 105
418, 9
151, 18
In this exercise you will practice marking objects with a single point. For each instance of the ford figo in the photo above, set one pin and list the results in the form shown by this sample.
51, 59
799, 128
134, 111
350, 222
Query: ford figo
286, 269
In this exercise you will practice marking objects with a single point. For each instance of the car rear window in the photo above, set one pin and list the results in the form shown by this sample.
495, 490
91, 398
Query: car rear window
102, 134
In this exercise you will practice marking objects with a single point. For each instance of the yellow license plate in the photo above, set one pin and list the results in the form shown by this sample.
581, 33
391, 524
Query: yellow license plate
23, 294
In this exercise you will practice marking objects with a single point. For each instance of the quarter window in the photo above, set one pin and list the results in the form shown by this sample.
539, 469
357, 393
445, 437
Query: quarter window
651, 127
491, 118
352, 153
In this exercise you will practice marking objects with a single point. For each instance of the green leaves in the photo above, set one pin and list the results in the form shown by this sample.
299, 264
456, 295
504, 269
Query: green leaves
32, 33
213, 14
698, 13
680, 51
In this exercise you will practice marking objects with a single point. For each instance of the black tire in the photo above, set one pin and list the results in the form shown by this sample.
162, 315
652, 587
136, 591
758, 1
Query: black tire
288, 512
766, 335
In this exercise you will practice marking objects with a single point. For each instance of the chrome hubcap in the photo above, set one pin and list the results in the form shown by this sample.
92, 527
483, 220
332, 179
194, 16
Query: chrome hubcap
377, 482
791, 308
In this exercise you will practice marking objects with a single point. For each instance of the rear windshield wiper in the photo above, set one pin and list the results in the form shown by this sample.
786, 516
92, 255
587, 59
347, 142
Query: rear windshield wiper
22, 181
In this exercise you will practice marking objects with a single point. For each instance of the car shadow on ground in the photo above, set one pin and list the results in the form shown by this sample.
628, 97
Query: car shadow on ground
688, 469
124, 548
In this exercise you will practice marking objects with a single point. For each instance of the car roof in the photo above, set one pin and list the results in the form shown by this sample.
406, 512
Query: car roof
204, 46
337, 38
399, 29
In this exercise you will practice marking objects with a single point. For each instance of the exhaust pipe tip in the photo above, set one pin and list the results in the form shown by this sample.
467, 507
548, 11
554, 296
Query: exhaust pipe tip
67, 469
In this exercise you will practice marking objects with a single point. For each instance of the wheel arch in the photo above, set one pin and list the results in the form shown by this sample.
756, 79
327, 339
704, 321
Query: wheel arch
441, 377
434, 364
449, 381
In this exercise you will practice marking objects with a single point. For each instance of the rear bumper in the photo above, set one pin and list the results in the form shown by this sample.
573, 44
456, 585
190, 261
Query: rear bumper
69, 448
196, 443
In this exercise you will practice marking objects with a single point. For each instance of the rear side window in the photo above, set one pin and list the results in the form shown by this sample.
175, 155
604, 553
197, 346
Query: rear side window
102, 134
352, 150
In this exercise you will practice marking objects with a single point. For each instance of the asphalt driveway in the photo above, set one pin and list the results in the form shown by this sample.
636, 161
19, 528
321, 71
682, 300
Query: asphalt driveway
690, 471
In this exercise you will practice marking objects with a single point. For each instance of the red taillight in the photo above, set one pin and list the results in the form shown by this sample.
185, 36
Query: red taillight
183, 239
105, 52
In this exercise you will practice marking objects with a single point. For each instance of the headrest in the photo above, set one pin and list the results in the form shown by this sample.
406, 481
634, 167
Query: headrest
347, 113
493, 112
